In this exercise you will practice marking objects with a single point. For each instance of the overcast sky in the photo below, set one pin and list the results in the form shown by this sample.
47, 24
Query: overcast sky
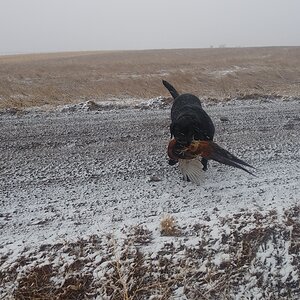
71, 25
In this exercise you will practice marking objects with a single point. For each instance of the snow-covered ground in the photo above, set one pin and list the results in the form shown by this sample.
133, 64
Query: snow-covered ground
72, 174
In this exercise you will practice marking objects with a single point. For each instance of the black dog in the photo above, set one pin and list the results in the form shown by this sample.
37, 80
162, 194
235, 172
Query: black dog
188, 122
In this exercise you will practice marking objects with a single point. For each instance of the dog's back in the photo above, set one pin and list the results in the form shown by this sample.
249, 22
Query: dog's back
183, 104
187, 111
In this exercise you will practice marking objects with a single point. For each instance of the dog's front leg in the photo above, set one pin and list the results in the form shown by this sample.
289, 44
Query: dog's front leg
204, 162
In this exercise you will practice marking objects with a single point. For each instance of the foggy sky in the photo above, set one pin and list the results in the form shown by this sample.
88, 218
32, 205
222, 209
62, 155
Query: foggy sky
72, 25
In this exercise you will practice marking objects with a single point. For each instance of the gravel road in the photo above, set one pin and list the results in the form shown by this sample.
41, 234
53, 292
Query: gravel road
65, 174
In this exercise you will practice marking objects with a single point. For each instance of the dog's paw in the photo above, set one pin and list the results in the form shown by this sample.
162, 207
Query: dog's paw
172, 162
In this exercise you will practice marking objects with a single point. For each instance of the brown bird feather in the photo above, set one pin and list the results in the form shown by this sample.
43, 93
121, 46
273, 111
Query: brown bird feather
208, 150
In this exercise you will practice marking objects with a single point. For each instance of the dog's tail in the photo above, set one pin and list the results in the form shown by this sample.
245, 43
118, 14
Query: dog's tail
171, 89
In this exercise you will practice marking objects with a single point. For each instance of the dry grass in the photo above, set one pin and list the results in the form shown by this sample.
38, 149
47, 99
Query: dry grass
169, 226
37, 284
54, 79
249, 256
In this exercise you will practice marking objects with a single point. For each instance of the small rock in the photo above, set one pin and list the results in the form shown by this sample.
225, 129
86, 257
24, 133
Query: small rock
91, 105
154, 178
224, 119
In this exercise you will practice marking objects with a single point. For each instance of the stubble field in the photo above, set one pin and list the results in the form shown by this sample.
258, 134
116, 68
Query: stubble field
56, 79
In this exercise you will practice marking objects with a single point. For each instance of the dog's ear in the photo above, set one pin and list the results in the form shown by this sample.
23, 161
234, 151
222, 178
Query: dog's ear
197, 130
191, 133
172, 130
201, 134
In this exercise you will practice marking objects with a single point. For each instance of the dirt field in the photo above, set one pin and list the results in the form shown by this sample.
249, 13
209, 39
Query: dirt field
55, 79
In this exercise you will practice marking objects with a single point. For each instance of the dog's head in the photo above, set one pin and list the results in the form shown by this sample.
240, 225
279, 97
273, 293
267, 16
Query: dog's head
183, 130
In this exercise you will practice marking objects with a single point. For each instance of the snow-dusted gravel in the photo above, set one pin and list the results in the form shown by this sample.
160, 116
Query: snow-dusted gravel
67, 174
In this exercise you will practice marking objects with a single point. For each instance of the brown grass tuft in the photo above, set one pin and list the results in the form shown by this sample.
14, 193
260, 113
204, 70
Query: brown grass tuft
168, 226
